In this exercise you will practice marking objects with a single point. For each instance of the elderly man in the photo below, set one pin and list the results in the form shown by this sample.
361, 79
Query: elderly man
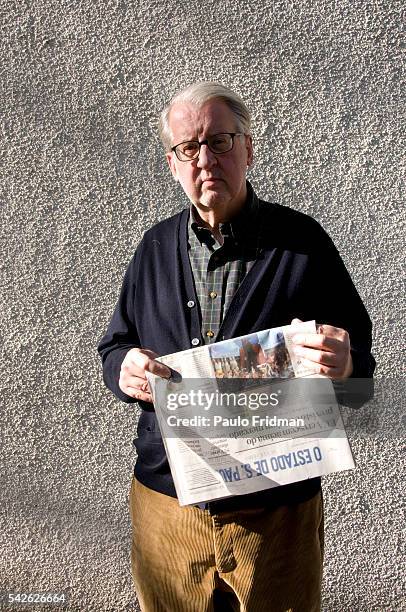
227, 265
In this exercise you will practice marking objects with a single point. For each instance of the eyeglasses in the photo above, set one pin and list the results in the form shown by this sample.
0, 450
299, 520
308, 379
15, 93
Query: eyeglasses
218, 144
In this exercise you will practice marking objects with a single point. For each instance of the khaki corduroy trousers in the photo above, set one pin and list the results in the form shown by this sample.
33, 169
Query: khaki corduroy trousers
185, 559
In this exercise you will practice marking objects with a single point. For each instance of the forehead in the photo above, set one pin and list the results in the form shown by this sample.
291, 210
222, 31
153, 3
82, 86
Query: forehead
186, 121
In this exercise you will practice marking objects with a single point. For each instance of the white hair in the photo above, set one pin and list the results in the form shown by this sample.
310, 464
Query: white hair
198, 94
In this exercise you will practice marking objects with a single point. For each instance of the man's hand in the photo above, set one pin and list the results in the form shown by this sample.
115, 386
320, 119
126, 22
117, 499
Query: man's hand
133, 380
328, 351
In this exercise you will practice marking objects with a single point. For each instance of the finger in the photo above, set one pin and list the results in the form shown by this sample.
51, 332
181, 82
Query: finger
127, 381
145, 387
331, 331
296, 321
135, 381
326, 358
159, 369
144, 360
319, 368
138, 394
320, 341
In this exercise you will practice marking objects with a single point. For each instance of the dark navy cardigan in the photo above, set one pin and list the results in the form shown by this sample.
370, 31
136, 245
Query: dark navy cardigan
298, 273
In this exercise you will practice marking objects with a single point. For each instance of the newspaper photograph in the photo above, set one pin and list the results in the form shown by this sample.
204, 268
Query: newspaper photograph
245, 414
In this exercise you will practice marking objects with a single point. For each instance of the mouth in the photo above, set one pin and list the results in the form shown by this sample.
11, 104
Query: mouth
211, 179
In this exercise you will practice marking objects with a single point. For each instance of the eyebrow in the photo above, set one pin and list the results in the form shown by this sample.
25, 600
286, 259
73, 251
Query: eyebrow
208, 136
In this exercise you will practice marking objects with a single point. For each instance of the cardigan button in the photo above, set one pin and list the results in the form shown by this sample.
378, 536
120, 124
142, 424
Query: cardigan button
195, 341
190, 303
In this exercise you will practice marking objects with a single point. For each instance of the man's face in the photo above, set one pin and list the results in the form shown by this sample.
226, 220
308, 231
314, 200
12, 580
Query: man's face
212, 182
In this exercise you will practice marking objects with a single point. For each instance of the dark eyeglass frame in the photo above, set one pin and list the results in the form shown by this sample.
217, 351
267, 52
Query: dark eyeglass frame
206, 142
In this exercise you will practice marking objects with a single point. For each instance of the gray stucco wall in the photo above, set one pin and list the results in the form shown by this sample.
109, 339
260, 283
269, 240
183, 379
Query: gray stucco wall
82, 175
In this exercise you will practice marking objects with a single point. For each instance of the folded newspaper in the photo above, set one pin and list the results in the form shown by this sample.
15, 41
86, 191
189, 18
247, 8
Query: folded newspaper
245, 414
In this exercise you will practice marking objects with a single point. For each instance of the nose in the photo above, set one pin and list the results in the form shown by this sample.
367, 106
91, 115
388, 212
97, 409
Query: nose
206, 159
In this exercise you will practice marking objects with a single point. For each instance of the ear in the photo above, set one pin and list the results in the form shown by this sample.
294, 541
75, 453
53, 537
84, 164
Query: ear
250, 151
170, 158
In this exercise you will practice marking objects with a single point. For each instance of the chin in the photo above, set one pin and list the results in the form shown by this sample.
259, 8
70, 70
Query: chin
213, 199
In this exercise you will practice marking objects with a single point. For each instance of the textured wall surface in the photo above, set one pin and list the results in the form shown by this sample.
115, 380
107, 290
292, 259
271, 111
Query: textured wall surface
82, 175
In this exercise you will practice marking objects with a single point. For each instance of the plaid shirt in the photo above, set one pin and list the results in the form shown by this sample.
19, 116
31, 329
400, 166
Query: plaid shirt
218, 270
